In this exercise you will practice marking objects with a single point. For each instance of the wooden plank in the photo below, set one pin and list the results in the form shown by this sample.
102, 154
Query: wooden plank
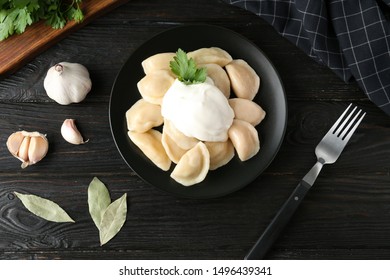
17, 50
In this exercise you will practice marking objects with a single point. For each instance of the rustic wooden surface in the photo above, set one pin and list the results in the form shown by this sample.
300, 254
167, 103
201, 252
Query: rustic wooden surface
345, 216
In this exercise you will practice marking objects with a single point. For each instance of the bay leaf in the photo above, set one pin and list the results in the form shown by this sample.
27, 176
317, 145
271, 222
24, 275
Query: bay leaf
44, 208
98, 200
113, 219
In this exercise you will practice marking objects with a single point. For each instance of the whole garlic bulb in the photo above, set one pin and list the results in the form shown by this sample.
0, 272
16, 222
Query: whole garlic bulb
28, 147
67, 83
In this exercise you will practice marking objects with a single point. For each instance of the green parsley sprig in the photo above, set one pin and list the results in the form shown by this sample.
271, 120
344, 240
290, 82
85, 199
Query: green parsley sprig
16, 15
185, 69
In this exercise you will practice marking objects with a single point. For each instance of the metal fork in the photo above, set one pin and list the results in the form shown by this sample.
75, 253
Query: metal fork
327, 152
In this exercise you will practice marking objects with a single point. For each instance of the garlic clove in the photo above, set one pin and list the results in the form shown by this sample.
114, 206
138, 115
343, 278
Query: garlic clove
28, 147
70, 132
23, 149
14, 141
37, 149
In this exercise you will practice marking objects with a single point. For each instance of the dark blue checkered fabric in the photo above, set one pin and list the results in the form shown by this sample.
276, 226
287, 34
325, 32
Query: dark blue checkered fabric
351, 37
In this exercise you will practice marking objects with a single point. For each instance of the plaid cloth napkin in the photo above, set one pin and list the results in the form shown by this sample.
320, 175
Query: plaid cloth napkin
351, 37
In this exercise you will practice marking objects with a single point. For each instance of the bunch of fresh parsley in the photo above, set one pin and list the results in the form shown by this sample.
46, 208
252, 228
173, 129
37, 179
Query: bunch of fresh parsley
16, 15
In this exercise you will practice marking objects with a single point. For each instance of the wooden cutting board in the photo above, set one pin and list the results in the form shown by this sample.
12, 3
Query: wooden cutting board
17, 50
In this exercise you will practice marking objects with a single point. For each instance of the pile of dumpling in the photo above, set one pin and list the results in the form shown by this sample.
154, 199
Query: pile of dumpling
194, 158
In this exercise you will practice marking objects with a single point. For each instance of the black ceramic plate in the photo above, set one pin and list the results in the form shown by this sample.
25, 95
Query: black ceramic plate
236, 174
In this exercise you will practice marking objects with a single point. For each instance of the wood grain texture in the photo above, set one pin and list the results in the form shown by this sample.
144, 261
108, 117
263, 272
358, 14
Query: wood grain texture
19, 49
345, 216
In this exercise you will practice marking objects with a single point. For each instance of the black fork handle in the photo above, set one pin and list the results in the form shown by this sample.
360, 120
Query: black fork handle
279, 222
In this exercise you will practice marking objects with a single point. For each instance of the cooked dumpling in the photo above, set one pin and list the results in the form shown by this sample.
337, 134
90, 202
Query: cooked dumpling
143, 116
157, 62
245, 139
219, 77
178, 137
150, 144
173, 151
243, 79
211, 55
193, 167
220, 153
247, 110
154, 85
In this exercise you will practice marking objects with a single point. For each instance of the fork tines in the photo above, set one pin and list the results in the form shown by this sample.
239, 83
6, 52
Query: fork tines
348, 125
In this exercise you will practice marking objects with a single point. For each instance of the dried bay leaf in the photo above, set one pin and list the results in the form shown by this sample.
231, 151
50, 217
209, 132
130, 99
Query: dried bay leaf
108, 217
44, 208
98, 200
113, 219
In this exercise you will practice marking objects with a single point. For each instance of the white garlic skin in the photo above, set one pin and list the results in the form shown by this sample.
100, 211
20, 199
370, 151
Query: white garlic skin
67, 83
28, 147
70, 132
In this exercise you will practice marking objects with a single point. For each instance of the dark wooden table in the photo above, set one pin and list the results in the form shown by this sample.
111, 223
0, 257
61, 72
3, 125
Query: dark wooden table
345, 216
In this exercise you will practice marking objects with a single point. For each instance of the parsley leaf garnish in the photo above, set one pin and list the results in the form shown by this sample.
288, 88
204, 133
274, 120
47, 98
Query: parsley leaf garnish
16, 15
185, 69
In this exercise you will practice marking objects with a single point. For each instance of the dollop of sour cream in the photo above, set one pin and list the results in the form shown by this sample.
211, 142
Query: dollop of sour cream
198, 110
